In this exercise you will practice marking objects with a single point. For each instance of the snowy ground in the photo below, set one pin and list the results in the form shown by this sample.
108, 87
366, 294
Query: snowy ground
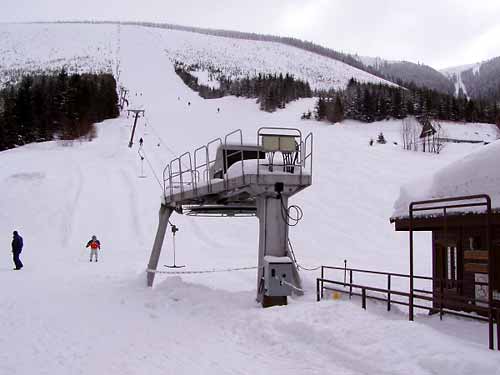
64, 315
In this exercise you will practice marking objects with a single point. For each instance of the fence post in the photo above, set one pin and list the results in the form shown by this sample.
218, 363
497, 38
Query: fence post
350, 282
490, 328
363, 298
322, 277
388, 292
345, 270
317, 291
498, 329
441, 299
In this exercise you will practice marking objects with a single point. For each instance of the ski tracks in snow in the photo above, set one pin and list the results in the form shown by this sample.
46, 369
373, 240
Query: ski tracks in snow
132, 203
75, 185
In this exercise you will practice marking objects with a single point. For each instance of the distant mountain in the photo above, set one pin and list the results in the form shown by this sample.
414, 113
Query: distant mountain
405, 73
455, 74
477, 81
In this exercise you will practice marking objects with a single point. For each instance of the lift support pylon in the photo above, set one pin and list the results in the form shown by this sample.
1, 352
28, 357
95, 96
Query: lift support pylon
244, 179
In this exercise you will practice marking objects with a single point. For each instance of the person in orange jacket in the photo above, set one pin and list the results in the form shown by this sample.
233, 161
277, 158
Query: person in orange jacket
94, 244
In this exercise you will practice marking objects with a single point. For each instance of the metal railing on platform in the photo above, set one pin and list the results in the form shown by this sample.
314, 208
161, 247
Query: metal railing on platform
188, 172
436, 300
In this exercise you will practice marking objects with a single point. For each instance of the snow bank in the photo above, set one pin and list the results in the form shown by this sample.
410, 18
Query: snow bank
477, 173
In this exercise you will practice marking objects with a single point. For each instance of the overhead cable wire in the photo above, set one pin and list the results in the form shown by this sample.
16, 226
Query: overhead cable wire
152, 169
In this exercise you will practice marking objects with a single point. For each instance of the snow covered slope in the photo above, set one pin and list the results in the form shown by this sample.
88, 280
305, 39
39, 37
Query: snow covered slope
64, 315
36, 48
85, 46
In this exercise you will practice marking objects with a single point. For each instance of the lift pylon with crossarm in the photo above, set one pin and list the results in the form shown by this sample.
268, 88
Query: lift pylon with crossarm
137, 113
244, 179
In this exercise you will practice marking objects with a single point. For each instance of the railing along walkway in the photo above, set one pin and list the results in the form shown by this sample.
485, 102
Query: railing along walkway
437, 300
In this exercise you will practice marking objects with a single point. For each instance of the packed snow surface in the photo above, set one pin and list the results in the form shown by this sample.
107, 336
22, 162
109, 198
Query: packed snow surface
477, 173
63, 315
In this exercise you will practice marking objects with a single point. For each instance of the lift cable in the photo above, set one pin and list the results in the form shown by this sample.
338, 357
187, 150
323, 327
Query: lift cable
284, 282
203, 271
152, 169
294, 259
161, 141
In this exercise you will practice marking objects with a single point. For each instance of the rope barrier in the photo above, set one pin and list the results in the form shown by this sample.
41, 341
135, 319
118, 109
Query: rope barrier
294, 259
149, 270
297, 289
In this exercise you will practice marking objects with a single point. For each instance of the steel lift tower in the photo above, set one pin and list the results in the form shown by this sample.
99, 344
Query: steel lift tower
232, 178
137, 113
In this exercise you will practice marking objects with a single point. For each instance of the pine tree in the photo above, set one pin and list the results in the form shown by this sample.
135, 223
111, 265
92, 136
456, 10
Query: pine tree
320, 109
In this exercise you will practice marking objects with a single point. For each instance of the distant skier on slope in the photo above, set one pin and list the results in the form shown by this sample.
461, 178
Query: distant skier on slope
17, 247
94, 245
141, 141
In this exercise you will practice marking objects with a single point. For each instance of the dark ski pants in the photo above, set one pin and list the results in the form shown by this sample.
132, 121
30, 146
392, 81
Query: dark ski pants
17, 261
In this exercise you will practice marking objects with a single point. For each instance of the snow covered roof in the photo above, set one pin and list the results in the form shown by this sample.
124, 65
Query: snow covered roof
477, 173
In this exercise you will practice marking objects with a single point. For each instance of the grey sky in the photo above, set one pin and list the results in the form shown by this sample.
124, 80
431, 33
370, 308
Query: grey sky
440, 33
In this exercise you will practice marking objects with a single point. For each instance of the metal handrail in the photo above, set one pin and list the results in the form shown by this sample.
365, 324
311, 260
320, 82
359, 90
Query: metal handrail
474, 308
439, 295
187, 171
438, 281
211, 161
203, 162
180, 172
226, 156
376, 272
196, 166
167, 167
310, 154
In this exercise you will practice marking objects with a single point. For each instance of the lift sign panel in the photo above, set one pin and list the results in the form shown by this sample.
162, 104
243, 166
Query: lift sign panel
273, 143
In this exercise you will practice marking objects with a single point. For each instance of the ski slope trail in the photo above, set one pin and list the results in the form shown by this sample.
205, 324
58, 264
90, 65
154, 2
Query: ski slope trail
65, 315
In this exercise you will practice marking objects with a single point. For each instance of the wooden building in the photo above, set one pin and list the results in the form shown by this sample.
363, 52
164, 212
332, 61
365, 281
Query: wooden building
465, 252
460, 205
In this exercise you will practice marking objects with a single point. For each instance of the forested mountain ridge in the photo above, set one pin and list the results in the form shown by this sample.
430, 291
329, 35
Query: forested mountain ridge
404, 72
482, 86
483, 83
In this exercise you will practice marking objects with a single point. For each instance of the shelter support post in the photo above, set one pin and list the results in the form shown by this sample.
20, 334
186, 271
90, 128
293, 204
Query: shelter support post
410, 302
165, 213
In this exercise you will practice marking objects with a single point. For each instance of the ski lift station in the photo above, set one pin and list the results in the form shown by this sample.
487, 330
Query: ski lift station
231, 178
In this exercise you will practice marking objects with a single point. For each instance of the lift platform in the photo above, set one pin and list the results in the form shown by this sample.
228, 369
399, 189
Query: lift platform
229, 177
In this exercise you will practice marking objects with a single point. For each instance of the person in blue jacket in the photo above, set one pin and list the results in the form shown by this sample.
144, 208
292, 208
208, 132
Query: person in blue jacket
17, 247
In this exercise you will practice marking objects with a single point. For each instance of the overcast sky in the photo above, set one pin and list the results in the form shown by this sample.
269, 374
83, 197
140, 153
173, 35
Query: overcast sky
440, 33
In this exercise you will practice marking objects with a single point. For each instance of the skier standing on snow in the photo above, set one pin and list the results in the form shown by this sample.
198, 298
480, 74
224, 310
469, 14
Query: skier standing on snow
17, 247
94, 245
